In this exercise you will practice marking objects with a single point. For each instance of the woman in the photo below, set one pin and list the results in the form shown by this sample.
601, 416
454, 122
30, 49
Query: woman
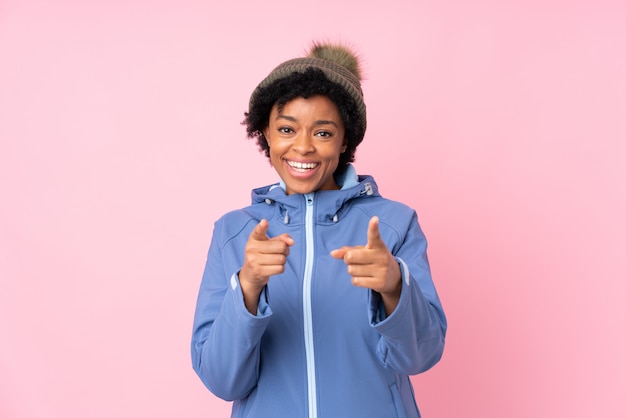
317, 299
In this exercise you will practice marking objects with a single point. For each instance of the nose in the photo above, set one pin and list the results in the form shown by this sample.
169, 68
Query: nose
303, 143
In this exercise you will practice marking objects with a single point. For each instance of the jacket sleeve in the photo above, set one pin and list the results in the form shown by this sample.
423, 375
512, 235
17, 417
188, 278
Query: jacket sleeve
413, 336
226, 337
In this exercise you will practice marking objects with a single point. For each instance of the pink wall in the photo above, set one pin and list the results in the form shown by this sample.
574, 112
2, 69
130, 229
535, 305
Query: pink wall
502, 122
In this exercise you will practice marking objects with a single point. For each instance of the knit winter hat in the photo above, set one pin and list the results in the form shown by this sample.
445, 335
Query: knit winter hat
338, 63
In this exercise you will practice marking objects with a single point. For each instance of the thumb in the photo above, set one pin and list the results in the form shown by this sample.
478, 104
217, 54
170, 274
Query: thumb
259, 233
339, 253
373, 234
286, 238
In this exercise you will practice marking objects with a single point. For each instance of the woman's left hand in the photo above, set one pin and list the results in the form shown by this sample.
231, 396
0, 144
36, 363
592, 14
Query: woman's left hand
373, 266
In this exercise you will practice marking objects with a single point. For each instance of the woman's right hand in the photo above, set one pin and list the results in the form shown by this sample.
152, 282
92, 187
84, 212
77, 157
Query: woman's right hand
264, 257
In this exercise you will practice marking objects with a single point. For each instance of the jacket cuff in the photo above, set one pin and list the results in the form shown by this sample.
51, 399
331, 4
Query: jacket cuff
376, 308
263, 311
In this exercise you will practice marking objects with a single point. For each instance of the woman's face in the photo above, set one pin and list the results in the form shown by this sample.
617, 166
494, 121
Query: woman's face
305, 140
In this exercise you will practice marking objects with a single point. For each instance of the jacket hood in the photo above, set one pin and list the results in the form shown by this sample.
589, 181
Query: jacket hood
330, 204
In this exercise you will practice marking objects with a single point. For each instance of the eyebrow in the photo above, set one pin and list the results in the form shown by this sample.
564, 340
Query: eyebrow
317, 122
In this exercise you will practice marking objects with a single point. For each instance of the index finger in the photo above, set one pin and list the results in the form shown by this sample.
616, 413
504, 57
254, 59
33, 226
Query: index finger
259, 233
373, 234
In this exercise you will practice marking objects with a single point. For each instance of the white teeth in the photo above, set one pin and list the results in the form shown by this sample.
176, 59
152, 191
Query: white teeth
301, 166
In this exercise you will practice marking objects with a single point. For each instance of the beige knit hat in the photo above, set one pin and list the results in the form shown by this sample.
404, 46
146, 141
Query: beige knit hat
339, 64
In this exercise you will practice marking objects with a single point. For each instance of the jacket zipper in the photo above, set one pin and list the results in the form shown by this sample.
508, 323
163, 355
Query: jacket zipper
306, 304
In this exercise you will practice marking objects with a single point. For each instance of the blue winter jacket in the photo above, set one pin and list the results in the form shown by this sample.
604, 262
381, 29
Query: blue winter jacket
318, 346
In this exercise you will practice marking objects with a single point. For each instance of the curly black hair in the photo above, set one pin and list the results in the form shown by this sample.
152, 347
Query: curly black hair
310, 83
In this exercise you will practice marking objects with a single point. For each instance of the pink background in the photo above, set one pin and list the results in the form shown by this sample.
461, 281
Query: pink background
502, 122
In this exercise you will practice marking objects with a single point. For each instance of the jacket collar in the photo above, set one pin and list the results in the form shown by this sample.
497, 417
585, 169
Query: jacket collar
330, 205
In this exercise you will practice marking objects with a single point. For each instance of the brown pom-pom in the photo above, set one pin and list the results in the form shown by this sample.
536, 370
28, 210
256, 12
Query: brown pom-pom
339, 54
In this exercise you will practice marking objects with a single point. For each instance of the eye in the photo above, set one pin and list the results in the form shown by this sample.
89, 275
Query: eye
324, 134
285, 130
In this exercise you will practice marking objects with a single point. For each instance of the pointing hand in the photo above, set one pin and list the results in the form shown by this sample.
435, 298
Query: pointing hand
264, 257
373, 266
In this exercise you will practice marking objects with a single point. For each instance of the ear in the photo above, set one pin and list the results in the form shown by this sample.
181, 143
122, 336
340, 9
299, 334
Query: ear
344, 148
265, 134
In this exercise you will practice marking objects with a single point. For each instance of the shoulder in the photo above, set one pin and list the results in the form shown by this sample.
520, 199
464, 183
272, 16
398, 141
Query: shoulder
238, 222
372, 203
385, 209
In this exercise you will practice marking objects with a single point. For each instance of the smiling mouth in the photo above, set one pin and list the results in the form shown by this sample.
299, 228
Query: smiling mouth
302, 167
